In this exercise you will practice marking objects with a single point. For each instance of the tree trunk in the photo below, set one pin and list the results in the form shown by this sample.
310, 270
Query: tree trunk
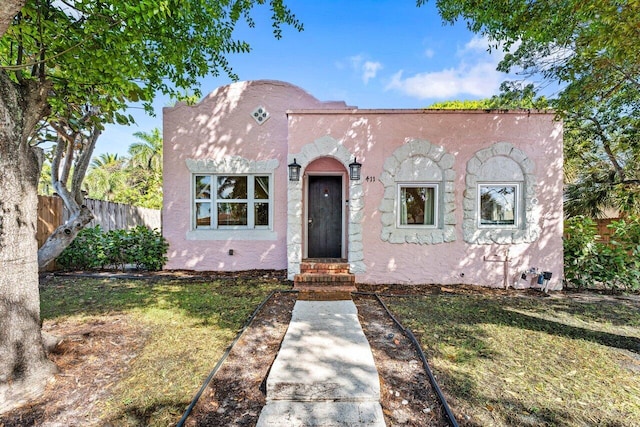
8, 9
63, 236
24, 367
73, 199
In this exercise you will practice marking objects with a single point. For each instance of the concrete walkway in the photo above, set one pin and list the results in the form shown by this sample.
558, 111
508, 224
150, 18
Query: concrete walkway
324, 374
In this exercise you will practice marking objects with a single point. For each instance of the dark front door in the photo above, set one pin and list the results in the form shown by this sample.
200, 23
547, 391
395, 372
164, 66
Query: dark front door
324, 230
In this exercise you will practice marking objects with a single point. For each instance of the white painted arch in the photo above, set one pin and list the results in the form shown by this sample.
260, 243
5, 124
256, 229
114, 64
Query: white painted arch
325, 146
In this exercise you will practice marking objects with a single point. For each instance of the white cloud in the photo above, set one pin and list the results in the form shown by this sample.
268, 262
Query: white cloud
367, 69
481, 80
476, 44
370, 70
429, 53
474, 75
356, 61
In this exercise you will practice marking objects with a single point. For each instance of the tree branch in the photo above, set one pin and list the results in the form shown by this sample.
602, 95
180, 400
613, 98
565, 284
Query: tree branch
607, 148
82, 163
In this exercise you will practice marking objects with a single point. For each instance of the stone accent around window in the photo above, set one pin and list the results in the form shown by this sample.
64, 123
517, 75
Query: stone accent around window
502, 162
324, 147
231, 165
418, 161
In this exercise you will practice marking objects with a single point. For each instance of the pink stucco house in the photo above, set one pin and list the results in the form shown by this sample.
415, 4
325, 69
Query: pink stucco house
445, 197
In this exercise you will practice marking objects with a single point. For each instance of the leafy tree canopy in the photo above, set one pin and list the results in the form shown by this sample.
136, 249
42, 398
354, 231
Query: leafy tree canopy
513, 96
590, 45
587, 48
105, 54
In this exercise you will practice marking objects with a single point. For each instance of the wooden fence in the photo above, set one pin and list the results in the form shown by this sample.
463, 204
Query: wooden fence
50, 214
110, 216
602, 228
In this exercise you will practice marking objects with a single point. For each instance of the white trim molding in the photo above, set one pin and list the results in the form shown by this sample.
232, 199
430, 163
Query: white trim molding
231, 165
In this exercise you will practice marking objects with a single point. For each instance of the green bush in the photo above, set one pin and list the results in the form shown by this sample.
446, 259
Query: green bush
589, 263
94, 249
85, 252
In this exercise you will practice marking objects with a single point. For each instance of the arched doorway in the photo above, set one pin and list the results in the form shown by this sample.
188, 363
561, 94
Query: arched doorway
325, 208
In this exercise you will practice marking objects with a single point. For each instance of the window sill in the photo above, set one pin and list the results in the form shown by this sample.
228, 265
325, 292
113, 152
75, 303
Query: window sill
232, 235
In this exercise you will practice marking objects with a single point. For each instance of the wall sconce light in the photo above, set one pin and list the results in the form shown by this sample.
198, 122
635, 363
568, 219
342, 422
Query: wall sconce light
294, 171
354, 170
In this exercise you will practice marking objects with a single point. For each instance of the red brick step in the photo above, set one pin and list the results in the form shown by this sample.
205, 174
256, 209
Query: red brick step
319, 275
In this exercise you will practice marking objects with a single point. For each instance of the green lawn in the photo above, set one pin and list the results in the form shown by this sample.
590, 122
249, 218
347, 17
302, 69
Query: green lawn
501, 361
187, 327
531, 361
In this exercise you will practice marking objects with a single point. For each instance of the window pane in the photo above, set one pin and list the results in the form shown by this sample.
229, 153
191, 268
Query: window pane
232, 187
203, 187
261, 213
417, 205
497, 204
232, 214
203, 215
261, 188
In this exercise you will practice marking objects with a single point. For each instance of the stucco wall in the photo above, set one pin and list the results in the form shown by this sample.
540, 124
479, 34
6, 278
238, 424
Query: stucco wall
375, 135
218, 130
220, 133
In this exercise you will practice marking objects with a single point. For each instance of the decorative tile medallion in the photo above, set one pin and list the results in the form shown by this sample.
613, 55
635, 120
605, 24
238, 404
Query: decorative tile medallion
260, 115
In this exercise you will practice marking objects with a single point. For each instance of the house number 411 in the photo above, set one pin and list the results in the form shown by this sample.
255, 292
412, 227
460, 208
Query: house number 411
370, 179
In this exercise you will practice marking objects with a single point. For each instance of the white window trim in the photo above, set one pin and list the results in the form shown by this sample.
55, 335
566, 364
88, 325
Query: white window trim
436, 211
215, 201
516, 209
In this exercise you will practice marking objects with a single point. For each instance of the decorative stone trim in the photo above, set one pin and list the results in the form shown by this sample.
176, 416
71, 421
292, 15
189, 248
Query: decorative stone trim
419, 161
324, 147
231, 164
529, 215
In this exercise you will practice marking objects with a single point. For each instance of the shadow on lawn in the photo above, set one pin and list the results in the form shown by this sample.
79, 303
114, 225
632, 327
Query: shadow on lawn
223, 302
456, 322
460, 313
552, 327
517, 414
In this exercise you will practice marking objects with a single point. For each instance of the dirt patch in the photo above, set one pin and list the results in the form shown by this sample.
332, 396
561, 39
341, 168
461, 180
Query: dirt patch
235, 395
91, 358
407, 397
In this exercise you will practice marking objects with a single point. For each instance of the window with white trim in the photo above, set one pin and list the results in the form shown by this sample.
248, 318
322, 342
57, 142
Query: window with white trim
232, 201
498, 205
418, 205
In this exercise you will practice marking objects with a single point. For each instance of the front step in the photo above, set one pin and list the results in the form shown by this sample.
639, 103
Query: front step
324, 266
324, 276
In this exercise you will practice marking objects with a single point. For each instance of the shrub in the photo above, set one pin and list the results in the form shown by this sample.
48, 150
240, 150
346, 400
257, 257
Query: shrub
589, 263
146, 248
93, 249
86, 252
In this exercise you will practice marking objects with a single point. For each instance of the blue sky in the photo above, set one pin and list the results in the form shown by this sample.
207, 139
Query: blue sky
368, 53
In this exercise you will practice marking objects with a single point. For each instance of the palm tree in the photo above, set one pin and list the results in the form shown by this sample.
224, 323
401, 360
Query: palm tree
107, 161
105, 176
147, 153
